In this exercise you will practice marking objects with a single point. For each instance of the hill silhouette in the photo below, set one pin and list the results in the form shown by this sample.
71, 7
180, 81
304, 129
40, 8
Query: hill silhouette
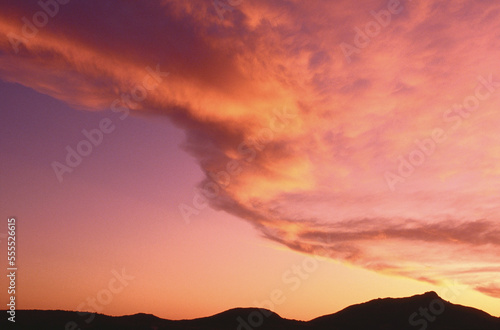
426, 311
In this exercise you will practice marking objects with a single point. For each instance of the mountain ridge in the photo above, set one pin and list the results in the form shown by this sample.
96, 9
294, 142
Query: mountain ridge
425, 311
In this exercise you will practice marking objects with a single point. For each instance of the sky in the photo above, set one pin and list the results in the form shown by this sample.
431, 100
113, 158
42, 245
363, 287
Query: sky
182, 158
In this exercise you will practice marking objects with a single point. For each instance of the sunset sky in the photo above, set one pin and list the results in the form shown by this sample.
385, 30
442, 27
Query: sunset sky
208, 150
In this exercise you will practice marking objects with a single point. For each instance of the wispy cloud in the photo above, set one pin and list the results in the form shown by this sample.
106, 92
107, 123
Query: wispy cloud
321, 179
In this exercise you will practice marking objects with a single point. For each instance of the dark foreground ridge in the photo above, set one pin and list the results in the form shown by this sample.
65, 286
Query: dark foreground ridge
421, 312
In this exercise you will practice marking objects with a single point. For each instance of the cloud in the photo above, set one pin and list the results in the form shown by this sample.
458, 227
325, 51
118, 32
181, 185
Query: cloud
492, 290
312, 132
430, 252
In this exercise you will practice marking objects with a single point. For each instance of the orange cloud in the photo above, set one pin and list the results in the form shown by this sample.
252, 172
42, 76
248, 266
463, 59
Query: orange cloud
306, 184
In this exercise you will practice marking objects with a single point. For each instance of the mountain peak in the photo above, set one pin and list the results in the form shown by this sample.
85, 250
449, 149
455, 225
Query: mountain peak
429, 295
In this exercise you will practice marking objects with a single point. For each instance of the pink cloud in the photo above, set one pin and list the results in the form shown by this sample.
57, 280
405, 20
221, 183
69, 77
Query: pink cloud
318, 183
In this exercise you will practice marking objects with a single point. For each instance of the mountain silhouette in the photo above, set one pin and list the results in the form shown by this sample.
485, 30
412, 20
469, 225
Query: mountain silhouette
427, 311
